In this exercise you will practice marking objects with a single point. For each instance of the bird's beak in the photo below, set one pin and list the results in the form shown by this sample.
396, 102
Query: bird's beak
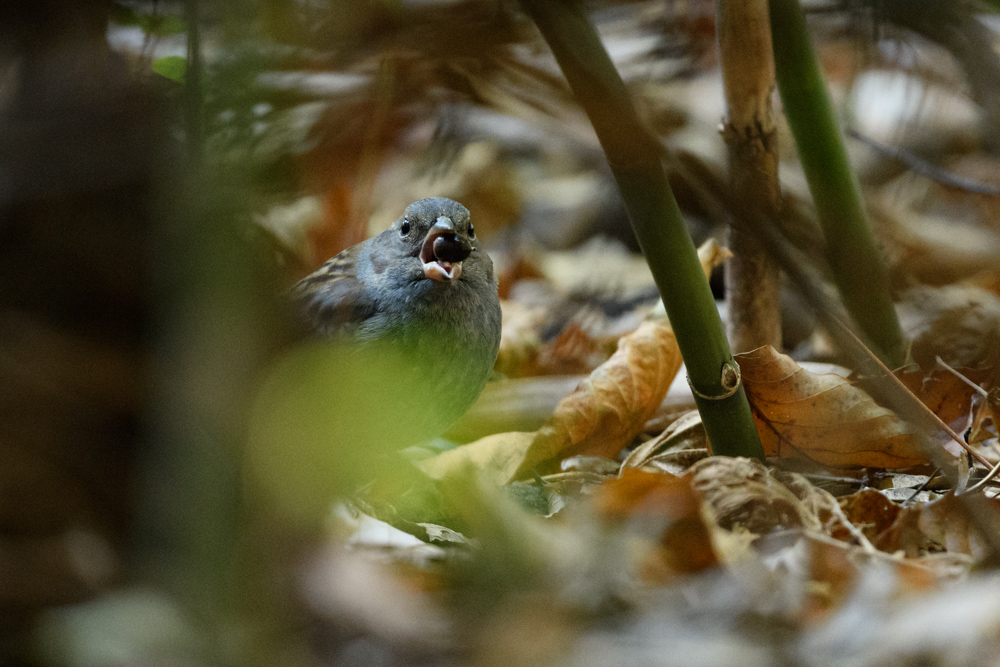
443, 251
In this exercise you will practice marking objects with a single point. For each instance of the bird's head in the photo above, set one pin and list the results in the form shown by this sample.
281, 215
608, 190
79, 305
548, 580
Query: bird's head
438, 233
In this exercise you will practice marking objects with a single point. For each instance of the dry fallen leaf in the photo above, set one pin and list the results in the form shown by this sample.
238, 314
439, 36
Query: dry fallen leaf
666, 509
821, 418
941, 523
495, 456
959, 323
686, 430
573, 352
743, 495
988, 410
610, 407
946, 394
870, 511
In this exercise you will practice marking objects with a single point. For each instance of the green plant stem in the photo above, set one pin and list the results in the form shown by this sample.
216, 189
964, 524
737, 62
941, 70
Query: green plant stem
859, 269
192, 88
634, 156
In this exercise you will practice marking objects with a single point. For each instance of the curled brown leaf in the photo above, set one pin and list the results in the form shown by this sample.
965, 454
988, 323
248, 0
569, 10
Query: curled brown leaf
823, 419
611, 406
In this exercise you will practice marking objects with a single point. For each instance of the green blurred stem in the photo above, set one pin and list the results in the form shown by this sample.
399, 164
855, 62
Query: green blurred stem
192, 88
859, 269
634, 156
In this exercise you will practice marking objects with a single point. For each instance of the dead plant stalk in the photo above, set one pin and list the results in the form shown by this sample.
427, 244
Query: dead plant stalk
743, 32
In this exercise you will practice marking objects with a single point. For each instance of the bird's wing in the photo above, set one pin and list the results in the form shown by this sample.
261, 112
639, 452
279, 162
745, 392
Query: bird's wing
332, 299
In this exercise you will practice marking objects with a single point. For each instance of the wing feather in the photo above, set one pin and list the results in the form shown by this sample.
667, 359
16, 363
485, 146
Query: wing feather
332, 298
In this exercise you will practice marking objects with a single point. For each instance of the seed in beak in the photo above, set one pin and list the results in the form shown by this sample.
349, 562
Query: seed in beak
443, 251
449, 248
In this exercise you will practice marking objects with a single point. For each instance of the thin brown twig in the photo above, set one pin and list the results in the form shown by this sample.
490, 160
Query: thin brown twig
920, 488
985, 480
980, 390
924, 168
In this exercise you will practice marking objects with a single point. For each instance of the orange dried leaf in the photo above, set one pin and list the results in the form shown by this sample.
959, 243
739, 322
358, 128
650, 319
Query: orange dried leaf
988, 410
573, 352
610, 407
821, 418
870, 511
638, 493
940, 523
943, 392
670, 508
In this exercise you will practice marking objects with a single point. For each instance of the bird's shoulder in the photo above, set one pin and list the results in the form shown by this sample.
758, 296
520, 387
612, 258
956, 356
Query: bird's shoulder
333, 298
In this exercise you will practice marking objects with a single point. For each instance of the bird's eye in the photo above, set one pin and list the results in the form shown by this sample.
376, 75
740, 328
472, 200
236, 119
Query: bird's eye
404, 229
472, 231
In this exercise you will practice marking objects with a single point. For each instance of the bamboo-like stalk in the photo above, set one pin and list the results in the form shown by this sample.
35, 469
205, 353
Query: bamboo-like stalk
752, 278
634, 156
859, 269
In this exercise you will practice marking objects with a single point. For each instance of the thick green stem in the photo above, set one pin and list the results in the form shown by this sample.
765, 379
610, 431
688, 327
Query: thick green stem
634, 156
858, 267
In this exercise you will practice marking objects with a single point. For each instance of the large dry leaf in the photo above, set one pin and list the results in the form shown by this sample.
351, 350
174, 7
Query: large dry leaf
611, 406
821, 418
608, 409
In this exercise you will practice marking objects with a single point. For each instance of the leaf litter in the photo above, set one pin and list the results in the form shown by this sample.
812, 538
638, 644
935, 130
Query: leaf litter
650, 530
647, 531
622, 540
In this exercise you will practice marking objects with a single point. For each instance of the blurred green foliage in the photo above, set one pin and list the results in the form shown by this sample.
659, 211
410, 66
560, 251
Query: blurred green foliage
171, 67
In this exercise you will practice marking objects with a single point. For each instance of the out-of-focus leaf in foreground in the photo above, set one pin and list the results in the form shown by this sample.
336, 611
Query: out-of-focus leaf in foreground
822, 418
171, 67
668, 511
329, 417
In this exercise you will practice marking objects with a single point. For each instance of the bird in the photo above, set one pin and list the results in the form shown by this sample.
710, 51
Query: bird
419, 303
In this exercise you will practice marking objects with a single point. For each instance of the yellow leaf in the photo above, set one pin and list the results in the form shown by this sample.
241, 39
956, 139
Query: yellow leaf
496, 457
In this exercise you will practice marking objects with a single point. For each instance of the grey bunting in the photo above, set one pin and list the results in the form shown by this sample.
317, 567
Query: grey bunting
423, 294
